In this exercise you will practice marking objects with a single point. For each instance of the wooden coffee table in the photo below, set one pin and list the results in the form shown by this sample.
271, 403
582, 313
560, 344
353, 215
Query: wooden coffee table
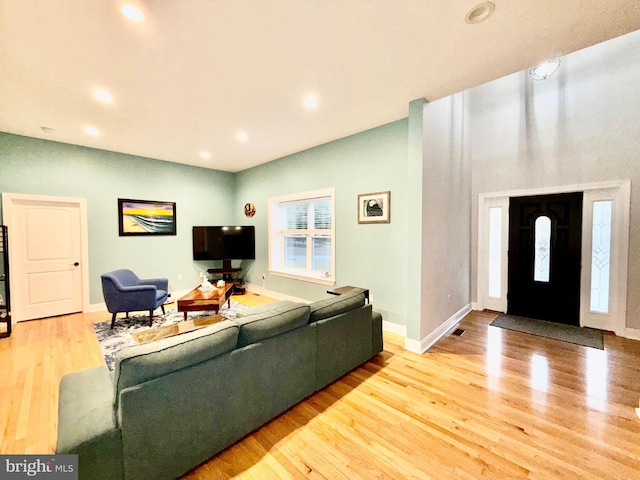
198, 301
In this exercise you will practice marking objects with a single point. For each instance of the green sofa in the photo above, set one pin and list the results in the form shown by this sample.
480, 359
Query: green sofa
172, 404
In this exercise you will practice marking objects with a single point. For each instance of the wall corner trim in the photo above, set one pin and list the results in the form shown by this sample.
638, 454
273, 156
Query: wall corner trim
427, 342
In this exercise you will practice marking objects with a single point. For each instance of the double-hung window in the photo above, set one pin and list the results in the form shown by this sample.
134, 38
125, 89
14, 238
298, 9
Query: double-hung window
302, 236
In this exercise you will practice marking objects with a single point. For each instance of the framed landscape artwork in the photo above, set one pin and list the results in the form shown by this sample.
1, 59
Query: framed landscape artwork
374, 207
146, 217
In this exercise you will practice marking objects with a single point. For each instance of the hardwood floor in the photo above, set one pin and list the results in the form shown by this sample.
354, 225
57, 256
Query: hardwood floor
491, 403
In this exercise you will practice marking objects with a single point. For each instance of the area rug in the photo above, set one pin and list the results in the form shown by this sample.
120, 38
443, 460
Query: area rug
112, 340
587, 337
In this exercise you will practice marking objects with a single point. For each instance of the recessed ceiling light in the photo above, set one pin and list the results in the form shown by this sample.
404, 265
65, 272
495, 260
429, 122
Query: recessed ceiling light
103, 96
242, 136
132, 12
544, 70
479, 13
310, 102
205, 155
89, 130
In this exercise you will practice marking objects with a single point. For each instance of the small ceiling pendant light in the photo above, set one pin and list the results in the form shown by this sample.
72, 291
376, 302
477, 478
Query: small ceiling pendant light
480, 13
544, 70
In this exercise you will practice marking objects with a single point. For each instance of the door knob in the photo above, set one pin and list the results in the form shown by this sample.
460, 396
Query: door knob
76, 264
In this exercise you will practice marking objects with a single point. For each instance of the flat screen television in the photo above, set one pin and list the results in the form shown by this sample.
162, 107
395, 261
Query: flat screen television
224, 243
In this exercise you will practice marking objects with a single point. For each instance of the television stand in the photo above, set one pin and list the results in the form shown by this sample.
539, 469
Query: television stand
227, 274
226, 271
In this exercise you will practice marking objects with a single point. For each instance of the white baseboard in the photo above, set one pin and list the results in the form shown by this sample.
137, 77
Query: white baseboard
394, 328
97, 307
632, 333
427, 342
412, 346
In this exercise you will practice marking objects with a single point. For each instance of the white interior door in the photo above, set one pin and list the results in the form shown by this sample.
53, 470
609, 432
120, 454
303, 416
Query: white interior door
47, 255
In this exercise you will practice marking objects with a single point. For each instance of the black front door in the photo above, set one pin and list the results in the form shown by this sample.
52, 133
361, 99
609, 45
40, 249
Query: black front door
545, 233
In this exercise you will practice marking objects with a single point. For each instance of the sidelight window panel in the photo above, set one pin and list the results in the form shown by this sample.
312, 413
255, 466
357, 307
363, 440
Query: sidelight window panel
495, 252
601, 256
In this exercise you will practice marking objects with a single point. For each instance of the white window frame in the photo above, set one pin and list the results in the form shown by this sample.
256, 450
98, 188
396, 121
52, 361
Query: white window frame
277, 236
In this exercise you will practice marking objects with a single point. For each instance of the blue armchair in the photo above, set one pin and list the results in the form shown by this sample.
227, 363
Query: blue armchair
124, 292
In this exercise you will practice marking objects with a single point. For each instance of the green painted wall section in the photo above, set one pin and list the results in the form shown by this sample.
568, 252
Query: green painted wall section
202, 196
415, 155
373, 256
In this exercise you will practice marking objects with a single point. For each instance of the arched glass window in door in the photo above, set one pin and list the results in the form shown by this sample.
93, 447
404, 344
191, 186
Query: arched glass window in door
542, 242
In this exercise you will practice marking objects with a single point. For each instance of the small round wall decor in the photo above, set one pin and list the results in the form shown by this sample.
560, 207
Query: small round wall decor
249, 210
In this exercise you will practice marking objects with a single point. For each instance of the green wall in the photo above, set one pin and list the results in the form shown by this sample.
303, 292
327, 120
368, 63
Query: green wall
413, 188
202, 196
373, 256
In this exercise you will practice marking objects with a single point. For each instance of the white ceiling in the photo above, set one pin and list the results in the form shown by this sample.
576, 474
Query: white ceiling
196, 72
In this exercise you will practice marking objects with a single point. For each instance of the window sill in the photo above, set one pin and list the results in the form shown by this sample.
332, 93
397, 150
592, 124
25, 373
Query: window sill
304, 278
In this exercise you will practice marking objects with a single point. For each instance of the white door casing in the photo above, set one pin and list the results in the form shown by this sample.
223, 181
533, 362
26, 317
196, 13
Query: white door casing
619, 192
48, 255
